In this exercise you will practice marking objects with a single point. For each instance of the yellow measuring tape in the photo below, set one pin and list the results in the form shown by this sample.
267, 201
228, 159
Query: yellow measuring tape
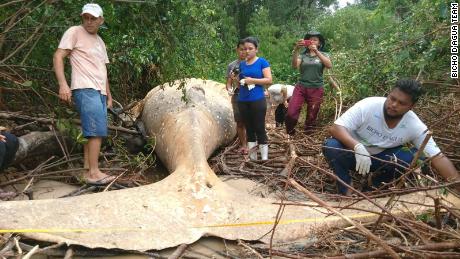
247, 224
289, 221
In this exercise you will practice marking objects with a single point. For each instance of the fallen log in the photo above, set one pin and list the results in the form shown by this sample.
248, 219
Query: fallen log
133, 138
36, 143
51, 121
192, 201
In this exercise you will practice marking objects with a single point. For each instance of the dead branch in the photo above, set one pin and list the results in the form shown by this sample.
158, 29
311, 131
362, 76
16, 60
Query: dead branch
11, 2
366, 232
378, 253
401, 181
23, 44
241, 243
178, 252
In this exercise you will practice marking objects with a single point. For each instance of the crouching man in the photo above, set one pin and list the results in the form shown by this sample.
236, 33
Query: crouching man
380, 127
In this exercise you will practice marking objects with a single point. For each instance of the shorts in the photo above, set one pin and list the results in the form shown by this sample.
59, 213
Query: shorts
92, 107
236, 110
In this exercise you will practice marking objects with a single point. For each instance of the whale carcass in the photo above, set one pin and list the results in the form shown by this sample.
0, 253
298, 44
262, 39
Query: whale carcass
189, 123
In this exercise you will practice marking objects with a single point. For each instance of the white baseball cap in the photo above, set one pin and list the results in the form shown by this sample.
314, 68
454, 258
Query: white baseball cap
93, 9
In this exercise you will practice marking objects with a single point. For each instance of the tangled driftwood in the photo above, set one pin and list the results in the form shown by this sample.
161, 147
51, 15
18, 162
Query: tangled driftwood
192, 202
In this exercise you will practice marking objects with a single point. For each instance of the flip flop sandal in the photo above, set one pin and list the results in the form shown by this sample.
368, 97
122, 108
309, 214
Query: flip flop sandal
104, 181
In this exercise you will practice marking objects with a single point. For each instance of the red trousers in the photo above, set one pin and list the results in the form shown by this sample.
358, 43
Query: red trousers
313, 97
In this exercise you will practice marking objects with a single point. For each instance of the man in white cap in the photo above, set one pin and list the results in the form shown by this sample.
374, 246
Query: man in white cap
89, 85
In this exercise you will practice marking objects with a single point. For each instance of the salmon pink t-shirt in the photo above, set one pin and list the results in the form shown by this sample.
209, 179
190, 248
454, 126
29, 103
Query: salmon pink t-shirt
88, 57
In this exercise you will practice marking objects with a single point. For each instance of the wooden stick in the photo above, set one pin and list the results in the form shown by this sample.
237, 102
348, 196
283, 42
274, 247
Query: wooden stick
437, 212
58, 172
380, 253
292, 157
179, 251
367, 232
286, 172
18, 48
412, 166
7, 245
69, 253
31, 252
16, 243
10, 3
383, 208
240, 242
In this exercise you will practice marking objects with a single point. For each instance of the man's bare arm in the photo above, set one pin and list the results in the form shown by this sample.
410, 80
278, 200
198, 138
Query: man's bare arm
445, 168
109, 94
58, 62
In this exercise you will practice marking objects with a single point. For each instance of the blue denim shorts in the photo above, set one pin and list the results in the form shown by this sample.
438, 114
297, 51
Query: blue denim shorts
92, 107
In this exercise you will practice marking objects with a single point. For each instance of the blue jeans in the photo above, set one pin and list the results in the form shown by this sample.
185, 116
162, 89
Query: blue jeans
342, 161
8, 150
92, 107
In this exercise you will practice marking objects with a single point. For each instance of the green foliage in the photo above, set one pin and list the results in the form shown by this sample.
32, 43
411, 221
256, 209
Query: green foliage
276, 50
371, 44
140, 161
148, 43
352, 27
278, 28
368, 4
66, 127
372, 49
425, 217
443, 191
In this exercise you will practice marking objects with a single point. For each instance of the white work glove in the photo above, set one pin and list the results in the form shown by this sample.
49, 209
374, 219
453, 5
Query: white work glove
243, 82
363, 160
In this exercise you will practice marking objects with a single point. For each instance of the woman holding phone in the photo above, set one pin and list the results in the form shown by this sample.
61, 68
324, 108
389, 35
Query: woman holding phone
311, 64
255, 73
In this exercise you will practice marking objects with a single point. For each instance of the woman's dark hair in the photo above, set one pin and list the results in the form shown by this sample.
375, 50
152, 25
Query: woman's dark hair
252, 40
240, 42
410, 87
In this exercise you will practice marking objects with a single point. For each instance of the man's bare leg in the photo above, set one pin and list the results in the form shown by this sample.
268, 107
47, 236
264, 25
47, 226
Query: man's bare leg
85, 156
91, 150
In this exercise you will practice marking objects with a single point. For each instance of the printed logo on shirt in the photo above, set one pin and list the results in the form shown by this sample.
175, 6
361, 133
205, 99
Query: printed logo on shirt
375, 133
311, 60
